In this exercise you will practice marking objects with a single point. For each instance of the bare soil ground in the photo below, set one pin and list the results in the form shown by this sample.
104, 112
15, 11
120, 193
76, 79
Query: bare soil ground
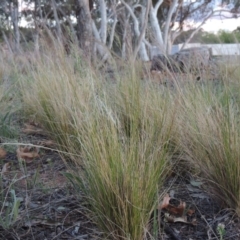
50, 208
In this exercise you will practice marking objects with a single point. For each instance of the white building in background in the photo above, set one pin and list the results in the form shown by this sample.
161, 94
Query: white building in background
216, 49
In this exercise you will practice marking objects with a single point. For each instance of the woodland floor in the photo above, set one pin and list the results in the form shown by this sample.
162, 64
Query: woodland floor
51, 209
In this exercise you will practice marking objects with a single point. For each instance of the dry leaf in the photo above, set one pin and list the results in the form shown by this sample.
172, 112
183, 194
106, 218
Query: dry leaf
6, 168
181, 219
34, 123
30, 129
47, 143
156, 76
3, 153
172, 219
168, 218
165, 202
27, 153
179, 210
196, 183
190, 212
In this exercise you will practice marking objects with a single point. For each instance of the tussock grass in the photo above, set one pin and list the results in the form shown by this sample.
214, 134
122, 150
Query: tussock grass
9, 106
121, 135
211, 137
127, 150
56, 95
9, 102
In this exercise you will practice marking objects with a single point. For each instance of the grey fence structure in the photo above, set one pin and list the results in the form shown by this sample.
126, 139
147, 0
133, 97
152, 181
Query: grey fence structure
216, 49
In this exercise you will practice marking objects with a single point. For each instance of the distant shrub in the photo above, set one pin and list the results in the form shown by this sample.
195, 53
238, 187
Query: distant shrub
221, 37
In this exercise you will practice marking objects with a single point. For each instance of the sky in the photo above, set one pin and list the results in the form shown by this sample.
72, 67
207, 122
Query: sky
223, 22
214, 25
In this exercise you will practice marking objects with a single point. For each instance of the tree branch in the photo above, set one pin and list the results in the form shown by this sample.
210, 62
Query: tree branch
58, 26
157, 6
124, 37
140, 45
103, 29
167, 25
142, 35
155, 25
135, 20
113, 27
199, 27
101, 49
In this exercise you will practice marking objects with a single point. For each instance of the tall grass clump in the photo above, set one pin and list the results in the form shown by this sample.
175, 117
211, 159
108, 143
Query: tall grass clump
119, 136
9, 108
56, 91
126, 147
210, 130
9, 99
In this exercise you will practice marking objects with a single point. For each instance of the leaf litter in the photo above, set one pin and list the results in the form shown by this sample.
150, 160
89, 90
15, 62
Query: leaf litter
27, 153
176, 213
33, 128
3, 153
50, 209
189, 212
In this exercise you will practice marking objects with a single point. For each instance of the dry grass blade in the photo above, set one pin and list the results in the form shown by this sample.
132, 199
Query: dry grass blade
211, 138
3, 153
30, 129
119, 138
27, 153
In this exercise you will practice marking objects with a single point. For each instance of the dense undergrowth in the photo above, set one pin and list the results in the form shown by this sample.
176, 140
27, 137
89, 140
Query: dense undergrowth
118, 134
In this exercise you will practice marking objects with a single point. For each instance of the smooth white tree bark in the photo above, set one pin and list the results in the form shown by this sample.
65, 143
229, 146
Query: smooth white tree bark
158, 38
125, 39
140, 15
115, 20
166, 31
144, 23
58, 25
100, 47
15, 17
142, 48
84, 27
104, 23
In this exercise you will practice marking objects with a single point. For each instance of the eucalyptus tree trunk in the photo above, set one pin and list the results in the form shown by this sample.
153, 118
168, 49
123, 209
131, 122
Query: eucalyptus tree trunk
56, 18
36, 25
139, 34
15, 17
84, 27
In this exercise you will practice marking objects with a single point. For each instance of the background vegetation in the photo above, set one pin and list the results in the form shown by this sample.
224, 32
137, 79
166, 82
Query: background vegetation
221, 37
122, 134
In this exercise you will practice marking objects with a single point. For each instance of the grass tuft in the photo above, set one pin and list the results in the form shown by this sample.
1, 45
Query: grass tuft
120, 133
211, 137
123, 134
